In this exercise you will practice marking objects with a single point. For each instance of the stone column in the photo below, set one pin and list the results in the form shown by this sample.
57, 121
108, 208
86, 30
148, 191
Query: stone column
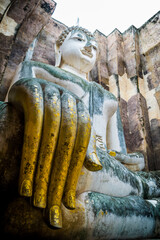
20, 24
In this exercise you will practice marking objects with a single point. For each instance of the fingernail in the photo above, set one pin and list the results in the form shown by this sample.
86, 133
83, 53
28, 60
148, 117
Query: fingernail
69, 200
39, 199
112, 153
26, 188
55, 216
92, 162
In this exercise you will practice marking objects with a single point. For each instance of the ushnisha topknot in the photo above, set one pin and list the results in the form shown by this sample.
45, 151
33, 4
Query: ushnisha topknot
64, 34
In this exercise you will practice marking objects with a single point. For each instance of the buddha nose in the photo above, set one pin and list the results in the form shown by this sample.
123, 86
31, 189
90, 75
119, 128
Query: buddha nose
88, 47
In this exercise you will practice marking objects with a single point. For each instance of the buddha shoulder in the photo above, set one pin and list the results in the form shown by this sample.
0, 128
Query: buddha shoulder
41, 70
47, 72
106, 93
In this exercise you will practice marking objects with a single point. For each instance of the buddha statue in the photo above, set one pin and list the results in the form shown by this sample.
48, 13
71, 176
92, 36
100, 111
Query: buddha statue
73, 149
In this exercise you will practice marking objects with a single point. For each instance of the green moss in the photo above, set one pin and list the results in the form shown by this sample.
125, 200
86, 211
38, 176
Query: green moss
62, 74
110, 164
120, 206
55, 71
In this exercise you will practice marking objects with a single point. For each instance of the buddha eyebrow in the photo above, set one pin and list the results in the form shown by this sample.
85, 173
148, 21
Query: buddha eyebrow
74, 35
80, 35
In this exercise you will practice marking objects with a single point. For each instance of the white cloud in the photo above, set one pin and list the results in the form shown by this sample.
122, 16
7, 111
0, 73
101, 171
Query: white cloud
106, 15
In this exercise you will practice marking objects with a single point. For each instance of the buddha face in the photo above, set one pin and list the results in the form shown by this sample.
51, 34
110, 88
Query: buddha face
79, 50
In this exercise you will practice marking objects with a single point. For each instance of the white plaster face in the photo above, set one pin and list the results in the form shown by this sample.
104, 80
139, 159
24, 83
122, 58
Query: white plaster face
79, 51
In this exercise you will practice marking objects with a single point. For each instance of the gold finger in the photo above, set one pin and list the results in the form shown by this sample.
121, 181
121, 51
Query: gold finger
27, 95
63, 154
92, 162
78, 155
51, 123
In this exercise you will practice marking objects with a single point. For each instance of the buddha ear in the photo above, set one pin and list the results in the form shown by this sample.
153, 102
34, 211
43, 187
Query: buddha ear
57, 55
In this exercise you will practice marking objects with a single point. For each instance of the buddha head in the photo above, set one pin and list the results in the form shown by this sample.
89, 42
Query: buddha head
76, 49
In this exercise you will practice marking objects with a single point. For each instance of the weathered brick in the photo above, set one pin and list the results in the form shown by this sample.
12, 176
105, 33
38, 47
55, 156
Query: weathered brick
28, 30
149, 34
100, 72
131, 52
44, 49
20, 9
115, 55
155, 133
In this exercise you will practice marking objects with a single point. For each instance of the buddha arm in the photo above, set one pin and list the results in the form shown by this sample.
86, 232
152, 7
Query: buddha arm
43, 115
117, 148
115, 136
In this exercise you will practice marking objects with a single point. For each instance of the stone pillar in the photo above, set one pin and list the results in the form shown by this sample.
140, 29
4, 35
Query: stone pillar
44, 47
115, 61
149, 86
125, 80
100, 71
115, 54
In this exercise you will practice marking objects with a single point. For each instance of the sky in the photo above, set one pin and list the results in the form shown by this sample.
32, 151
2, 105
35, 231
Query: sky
105, 15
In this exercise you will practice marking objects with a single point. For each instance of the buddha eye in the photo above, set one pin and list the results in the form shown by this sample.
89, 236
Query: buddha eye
95, 48
79, 39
